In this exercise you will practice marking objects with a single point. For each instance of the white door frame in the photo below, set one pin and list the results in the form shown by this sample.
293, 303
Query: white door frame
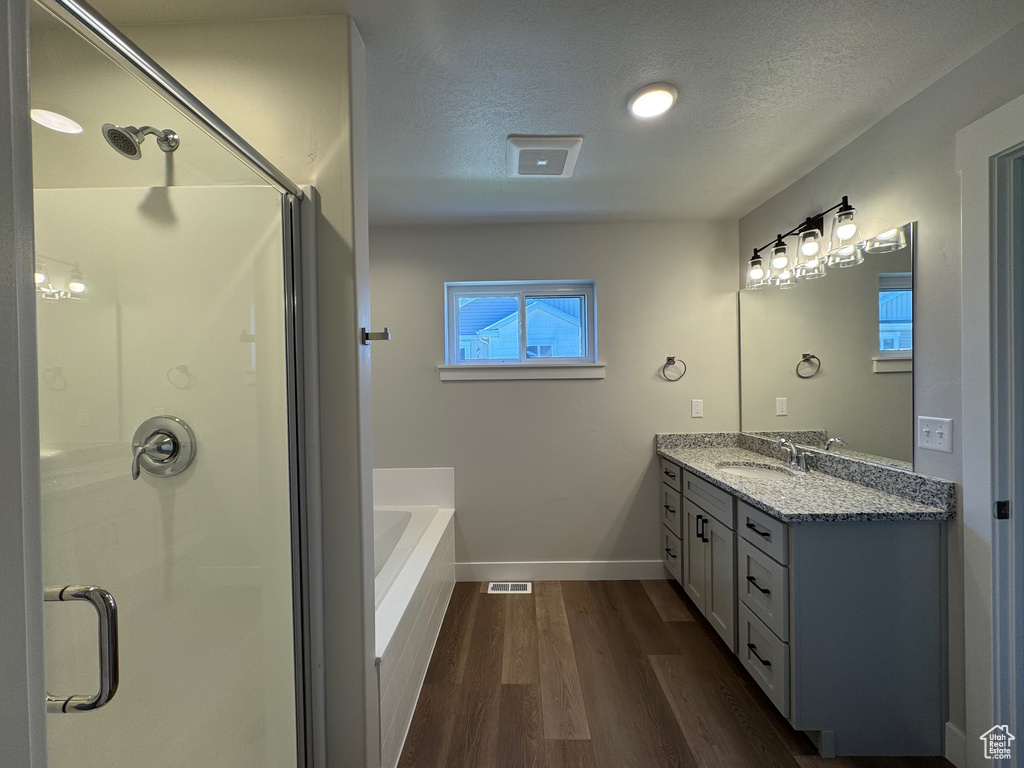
980, 150
22, 708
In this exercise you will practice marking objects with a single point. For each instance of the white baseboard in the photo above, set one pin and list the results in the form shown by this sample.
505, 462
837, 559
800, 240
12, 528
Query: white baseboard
956, 746
562, 570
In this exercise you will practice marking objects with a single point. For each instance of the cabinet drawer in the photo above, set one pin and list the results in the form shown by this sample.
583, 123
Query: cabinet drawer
712, 500
672, 553
672, 509
764, 587
671, 474
763, 531
765, 657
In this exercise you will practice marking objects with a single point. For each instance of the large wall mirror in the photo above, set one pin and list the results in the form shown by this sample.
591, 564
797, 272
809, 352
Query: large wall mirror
833, 357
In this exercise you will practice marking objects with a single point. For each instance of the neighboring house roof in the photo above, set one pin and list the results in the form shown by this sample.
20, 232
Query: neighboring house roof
896, 307
478, 313
532, 306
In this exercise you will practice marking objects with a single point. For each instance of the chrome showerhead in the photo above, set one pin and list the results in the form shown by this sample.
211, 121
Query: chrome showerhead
127, 142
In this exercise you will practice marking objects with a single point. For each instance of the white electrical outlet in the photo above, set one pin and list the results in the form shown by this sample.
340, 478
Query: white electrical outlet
782, 406
697, 409
935, 434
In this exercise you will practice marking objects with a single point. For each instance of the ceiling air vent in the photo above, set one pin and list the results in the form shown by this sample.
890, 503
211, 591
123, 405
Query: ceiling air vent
543, 157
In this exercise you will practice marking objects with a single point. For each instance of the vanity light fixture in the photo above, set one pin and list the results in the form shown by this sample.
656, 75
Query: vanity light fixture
845, 248
52, 286
652, 100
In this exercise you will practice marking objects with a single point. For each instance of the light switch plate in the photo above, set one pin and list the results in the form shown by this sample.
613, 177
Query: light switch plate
935, 434
697, 409
782, 406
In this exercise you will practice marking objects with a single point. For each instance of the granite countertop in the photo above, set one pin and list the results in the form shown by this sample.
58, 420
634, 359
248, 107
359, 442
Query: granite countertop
811, 497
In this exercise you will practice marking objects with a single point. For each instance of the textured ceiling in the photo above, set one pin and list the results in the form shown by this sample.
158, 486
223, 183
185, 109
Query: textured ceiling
768, 89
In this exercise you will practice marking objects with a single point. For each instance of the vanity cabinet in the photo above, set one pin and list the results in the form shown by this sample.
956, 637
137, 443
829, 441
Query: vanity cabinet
707, 535
839, 622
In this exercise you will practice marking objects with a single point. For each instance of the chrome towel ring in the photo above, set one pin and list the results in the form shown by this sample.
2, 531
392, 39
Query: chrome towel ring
670, 361
812, 367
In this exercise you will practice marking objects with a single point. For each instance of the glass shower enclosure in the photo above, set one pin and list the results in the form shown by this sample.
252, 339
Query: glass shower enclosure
168, 416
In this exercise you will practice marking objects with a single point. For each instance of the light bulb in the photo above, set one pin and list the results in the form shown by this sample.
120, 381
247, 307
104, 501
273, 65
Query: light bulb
780, 254
40, 278
809, 247
846, 231
76, 281
756, 273
652, 100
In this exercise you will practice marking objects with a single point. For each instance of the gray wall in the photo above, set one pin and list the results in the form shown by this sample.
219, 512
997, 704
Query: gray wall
901, 170
556, 470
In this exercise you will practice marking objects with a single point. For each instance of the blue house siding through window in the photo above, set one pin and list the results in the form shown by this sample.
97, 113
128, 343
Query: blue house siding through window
895, 319
489, 328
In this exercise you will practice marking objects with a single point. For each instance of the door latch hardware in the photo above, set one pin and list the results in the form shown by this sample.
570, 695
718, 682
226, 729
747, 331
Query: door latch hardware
369, 336
1002, 509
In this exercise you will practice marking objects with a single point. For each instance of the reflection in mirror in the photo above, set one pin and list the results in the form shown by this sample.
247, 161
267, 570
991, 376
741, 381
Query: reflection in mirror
833, 357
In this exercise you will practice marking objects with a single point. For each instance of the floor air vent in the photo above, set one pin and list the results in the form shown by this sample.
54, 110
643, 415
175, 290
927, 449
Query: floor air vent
510, 588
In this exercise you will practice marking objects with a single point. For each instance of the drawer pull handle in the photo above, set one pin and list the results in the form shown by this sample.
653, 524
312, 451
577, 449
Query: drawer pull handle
669, 509
753, 650
670, 474
669, 553
758, 531
758, 587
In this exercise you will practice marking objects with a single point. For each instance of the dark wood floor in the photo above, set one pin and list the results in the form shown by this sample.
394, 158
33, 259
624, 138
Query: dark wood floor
614, 674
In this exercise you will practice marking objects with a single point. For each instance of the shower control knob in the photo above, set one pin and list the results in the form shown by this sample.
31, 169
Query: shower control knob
163, 446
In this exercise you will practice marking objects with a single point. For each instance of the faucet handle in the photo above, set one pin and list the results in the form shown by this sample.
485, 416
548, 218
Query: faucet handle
160, 447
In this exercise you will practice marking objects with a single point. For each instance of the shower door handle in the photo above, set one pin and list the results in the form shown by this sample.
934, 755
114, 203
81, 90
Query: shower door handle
106, 610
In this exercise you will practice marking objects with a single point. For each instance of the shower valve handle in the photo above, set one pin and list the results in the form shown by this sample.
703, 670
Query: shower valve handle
160, 447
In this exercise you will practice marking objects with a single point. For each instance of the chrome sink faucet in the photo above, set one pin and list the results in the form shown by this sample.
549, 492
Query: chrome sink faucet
797, 459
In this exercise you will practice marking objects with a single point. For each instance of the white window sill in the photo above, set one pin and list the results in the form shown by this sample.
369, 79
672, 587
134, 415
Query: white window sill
516, 372
892, 364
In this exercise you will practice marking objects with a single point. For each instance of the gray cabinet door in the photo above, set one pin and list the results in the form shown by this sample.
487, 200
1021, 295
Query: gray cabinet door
694, 556
720, 580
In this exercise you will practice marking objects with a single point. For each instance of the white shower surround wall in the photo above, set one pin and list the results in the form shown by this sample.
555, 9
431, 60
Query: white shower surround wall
414, 562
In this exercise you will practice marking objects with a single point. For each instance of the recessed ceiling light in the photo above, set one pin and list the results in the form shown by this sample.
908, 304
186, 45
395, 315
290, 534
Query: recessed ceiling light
653, 100
55, 122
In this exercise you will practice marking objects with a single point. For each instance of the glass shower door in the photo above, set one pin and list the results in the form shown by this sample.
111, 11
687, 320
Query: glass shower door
163, 429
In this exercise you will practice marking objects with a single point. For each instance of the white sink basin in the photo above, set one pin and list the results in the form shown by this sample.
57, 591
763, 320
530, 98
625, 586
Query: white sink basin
760, 473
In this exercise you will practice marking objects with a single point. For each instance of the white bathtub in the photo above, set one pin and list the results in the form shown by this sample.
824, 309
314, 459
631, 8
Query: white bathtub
414, 565
396, 532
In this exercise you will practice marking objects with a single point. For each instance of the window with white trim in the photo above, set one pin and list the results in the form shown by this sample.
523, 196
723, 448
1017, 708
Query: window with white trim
521, 324
896, 315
